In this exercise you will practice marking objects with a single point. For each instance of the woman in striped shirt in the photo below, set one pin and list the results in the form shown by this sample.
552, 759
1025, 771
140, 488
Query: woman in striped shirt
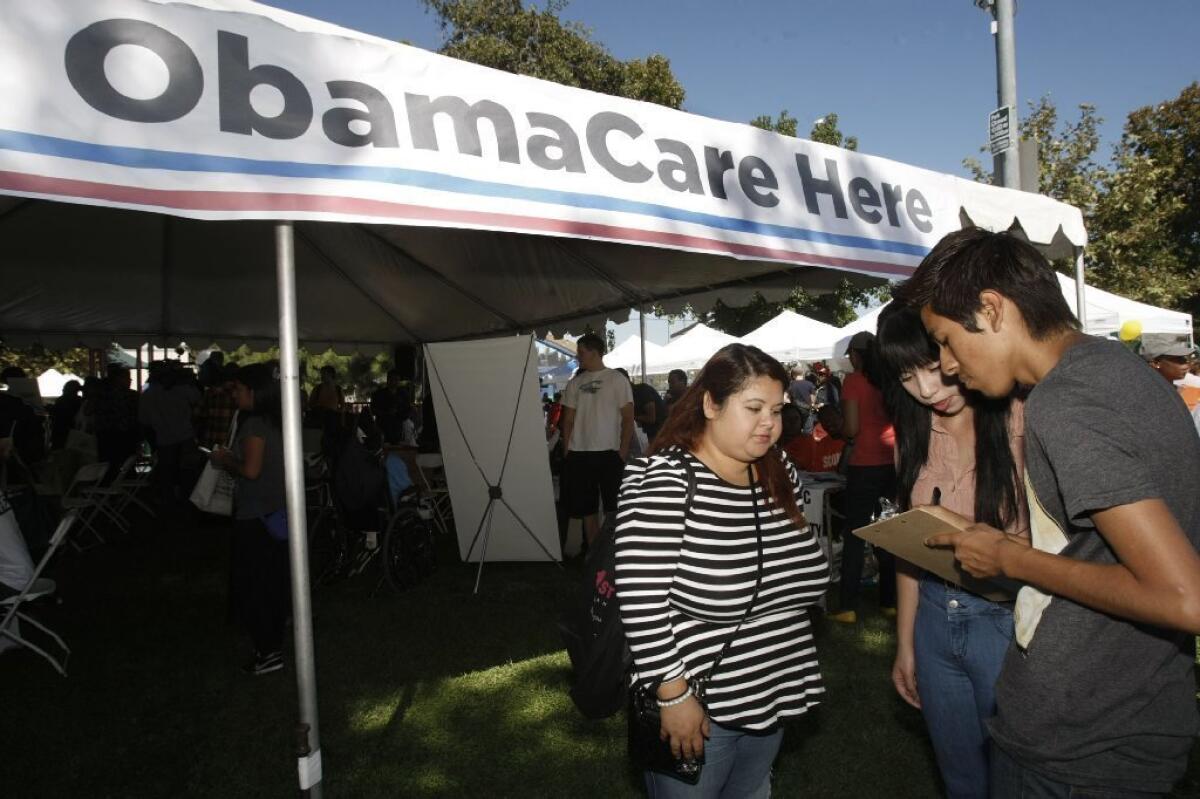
708, 518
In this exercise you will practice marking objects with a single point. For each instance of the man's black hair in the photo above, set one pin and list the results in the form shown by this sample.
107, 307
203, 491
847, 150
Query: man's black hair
682, 375
592, 342
970, 261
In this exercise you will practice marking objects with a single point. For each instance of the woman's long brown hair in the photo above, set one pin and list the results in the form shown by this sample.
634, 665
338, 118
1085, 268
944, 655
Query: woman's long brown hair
726, 373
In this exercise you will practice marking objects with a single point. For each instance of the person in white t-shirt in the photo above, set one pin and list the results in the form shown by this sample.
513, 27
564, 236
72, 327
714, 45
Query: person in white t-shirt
597, 426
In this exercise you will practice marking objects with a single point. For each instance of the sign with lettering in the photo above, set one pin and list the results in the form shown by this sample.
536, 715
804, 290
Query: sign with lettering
225, 110
1000, 136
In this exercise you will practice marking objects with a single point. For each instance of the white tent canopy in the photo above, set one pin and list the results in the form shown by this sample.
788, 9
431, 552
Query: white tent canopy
628, 355
690, 351
1107, 312
867, 321
792, 337
50, 382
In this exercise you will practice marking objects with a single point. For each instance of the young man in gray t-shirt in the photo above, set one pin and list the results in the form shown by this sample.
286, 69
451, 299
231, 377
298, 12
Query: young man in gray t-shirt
1097, 695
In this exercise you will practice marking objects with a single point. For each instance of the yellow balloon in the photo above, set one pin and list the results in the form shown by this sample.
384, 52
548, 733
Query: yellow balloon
1131, 330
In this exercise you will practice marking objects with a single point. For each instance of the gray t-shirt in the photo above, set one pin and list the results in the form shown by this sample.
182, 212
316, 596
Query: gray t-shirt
265, 495
1095, 700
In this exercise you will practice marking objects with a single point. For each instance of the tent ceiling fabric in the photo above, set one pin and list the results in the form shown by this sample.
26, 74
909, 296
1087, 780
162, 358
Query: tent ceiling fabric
360, 287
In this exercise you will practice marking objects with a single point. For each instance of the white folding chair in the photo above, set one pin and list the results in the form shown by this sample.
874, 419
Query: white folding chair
434, 489
118, 495
81, 497
36, 588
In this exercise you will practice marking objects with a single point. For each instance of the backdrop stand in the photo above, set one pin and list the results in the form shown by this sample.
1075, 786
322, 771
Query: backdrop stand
495, 492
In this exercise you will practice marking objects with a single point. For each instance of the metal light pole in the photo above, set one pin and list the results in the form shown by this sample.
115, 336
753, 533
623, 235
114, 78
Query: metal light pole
1007, 164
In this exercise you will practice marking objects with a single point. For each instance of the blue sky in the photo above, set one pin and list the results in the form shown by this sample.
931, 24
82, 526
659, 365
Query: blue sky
913, 79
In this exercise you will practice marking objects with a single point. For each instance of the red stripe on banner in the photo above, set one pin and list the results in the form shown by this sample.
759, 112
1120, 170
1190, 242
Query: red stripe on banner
358, 206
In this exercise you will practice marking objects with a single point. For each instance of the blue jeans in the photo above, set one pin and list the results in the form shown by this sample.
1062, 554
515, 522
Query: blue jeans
1011, 780
960, 641
737, 765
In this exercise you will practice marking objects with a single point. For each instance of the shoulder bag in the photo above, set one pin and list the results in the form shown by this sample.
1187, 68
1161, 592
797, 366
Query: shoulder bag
213, 492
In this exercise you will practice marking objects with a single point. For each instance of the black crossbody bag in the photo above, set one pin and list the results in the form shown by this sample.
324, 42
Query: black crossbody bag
645, 716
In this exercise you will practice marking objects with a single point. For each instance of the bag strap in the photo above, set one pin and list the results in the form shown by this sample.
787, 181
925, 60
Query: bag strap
233, 426
757, 580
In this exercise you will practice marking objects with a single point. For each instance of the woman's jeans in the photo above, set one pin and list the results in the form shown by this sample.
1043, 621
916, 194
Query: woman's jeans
737, 765
960, 642
261, 584
865, 486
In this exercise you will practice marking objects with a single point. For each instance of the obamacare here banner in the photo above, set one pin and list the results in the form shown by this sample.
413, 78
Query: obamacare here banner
232, 110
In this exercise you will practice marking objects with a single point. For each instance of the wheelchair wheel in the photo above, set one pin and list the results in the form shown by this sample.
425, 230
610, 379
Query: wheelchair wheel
401, 550
328, 548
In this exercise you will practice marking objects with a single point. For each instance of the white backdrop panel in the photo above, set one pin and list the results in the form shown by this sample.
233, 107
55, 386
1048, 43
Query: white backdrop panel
480, 384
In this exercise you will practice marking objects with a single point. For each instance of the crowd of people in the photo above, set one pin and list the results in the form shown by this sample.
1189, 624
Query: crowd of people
226, 415
976, 399
979, 400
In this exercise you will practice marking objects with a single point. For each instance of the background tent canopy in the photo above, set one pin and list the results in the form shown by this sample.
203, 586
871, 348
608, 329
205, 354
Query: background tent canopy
792, 337
1106, 312
565, 208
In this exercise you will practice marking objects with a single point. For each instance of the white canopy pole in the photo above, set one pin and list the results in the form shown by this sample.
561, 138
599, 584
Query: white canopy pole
1080, 300
642, 333
293, 465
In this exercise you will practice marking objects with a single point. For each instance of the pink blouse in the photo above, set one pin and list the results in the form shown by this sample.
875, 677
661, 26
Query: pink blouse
954, 472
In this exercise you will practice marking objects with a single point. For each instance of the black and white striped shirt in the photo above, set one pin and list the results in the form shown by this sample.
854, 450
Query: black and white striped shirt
683, 590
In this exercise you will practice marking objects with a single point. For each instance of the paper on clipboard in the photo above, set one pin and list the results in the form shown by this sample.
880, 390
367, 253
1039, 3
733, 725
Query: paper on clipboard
904, 536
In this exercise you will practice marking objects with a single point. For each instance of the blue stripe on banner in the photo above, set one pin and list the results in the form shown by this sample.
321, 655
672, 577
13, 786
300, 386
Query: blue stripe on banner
192, 162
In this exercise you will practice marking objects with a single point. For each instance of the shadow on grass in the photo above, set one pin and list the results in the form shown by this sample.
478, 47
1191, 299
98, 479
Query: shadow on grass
434, 692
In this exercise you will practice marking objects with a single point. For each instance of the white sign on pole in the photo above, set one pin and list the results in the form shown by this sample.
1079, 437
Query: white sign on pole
1000, 136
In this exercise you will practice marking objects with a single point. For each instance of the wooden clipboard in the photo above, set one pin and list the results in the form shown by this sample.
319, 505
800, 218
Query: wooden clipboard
904, 536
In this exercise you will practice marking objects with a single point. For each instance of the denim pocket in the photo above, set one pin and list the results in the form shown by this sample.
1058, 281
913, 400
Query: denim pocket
1003, 619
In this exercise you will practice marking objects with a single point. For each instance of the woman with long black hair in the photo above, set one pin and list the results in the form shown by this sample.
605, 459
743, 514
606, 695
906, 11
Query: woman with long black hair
713, 556
260, 574
957, 449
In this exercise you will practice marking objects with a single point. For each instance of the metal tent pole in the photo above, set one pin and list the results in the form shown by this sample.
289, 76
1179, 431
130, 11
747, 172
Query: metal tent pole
308, 738
1080, 286
642, 333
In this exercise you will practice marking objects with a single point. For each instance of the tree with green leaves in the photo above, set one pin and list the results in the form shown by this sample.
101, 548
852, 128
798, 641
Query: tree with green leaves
1144, 235
785, 123
36, 359
1142, 209
536, 41
1067, 167
826, 131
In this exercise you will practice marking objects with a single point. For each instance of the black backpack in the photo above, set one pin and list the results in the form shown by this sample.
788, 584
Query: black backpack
359, 483
592, 631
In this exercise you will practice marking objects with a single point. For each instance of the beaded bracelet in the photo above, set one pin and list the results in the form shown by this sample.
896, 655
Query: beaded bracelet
679, 700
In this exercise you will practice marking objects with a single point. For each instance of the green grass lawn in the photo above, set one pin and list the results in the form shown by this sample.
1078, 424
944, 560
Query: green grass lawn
434, 692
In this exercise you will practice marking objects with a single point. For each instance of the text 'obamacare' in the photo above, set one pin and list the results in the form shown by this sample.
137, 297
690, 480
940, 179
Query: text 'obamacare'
552, 143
